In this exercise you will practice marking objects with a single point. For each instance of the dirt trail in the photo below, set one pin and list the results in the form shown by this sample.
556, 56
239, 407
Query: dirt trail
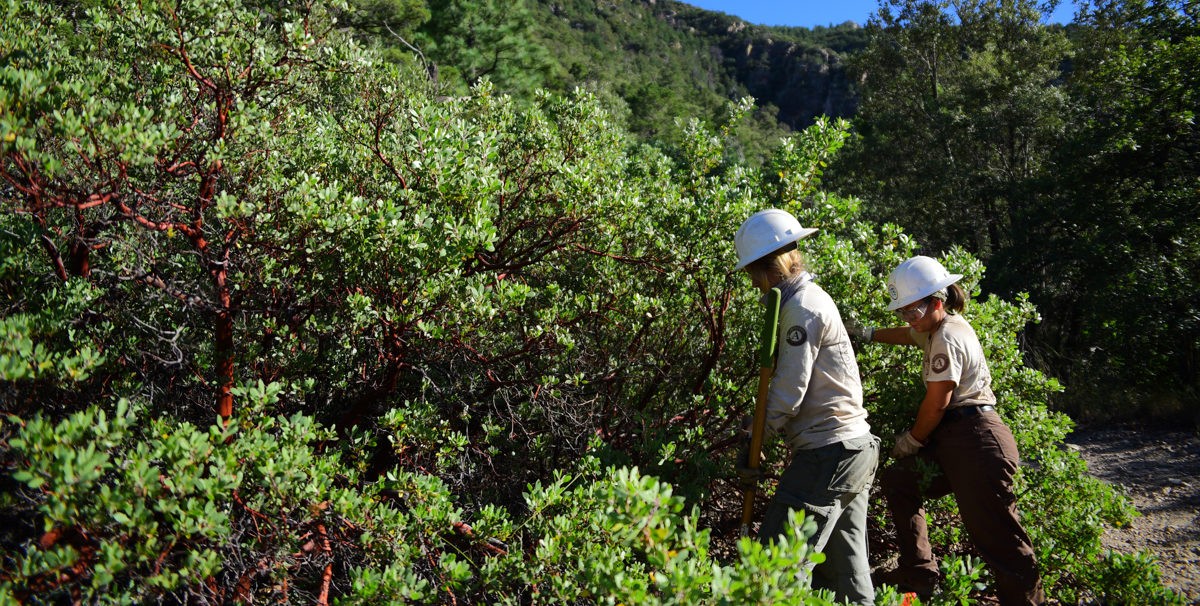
1159, 468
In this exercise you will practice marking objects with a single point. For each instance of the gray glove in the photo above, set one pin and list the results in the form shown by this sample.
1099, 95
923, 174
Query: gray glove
906, 445
747, 426
748, 476
859, 333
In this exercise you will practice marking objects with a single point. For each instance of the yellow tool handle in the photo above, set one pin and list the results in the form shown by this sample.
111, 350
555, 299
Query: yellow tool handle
768, 338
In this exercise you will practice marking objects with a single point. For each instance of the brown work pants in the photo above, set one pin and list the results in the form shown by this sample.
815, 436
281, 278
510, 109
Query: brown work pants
976, 457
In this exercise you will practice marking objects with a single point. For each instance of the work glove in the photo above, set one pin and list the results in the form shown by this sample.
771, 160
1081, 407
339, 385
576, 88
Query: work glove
747, 427
748, 476
906, 445
857, 332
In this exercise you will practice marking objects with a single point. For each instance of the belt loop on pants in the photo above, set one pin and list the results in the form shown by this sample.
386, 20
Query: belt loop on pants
963, 412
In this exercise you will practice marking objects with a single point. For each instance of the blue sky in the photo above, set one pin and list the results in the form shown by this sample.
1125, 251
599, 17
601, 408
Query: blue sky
810, 13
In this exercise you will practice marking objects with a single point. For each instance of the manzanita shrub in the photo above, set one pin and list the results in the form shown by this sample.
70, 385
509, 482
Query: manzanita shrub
139, 510
284, 321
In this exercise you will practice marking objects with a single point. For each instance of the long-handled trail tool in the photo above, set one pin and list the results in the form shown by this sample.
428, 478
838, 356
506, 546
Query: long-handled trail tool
766, 368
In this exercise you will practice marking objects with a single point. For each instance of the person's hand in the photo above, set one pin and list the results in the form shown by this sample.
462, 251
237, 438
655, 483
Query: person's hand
748, 476
747, 427
906, 445
859, 333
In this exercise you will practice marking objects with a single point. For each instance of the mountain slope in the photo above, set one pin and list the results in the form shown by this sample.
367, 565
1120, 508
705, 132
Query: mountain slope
667, 58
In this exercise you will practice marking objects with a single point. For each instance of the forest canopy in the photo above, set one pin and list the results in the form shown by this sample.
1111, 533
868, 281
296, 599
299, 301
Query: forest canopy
1068, 160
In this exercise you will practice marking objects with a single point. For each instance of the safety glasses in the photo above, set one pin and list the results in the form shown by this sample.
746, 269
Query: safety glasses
911, 314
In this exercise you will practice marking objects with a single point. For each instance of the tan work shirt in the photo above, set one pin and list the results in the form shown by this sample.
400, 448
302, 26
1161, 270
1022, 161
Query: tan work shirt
953, 353
815, 398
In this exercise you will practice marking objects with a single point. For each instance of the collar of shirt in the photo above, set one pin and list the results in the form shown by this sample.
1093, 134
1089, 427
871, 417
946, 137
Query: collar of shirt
789, 287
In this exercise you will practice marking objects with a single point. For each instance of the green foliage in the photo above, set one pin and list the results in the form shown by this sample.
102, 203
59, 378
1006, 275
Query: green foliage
383, 18
475, 39
648, 62
136, 511
625, 538
448, 329
1066, 164
1125, 279
48, 334
959, 110
960, 578
24, 358
1131, 579
121, 509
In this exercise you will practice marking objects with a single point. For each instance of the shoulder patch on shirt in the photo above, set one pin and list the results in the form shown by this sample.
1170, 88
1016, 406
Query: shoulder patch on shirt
939, 363
796, 335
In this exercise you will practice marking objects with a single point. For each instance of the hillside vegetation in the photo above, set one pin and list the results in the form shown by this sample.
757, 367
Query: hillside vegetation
648, 61
287, 318
1064, 157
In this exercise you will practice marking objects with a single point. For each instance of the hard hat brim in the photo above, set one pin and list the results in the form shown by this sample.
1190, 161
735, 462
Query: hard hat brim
950, 279
758, 254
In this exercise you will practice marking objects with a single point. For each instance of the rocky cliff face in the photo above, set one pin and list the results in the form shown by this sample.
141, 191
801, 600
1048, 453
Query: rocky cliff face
666, 58
802, 72
804, 82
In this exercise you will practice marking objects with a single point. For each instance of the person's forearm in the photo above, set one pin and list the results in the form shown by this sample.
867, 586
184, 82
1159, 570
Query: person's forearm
927, 420
933, 408
893, 336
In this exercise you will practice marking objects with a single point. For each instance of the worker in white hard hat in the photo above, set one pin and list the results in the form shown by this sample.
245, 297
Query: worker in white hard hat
815, 402
957, 432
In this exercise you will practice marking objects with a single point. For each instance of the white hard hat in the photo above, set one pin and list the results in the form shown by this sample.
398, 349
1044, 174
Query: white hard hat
915, 279
765, 232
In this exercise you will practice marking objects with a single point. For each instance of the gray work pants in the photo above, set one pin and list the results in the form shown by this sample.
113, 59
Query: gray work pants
832, 485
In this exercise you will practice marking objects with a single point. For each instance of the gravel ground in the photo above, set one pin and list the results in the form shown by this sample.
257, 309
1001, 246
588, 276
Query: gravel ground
1159, 468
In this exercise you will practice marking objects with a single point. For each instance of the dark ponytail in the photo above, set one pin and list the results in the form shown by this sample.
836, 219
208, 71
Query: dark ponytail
956, 299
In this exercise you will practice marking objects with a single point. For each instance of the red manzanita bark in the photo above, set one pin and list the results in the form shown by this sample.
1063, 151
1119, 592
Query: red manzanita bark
223, 322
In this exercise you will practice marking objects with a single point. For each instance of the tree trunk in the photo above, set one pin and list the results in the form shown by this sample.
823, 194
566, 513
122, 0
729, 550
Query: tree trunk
224, 343
224, 353
80, 260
